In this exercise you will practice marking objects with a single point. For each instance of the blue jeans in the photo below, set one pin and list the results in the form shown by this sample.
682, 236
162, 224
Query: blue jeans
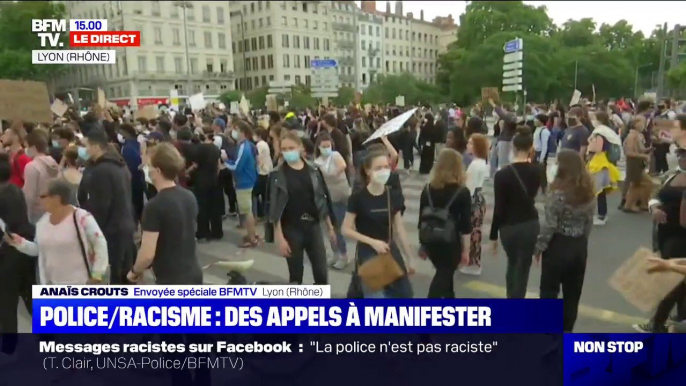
339, 209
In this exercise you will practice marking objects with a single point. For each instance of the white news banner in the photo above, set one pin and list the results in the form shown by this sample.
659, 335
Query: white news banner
73, 56
181, 292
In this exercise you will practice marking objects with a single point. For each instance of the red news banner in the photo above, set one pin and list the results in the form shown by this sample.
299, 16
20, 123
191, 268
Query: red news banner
105, 39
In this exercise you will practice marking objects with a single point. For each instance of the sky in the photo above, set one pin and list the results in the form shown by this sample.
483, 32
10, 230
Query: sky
642, 15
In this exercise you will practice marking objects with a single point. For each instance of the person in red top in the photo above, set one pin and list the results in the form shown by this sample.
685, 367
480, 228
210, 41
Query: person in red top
12, 141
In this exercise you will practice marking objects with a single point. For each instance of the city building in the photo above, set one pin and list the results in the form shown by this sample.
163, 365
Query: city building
276, 41
185, 46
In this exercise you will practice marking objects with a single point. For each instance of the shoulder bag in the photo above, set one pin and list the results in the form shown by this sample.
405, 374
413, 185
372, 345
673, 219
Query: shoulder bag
84, 254
382, 269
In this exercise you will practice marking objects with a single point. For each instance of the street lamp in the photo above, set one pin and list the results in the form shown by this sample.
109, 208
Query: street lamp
245, 76
636, 78
184, 5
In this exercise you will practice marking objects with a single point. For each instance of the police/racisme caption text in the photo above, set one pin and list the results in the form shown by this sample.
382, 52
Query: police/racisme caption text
189, 362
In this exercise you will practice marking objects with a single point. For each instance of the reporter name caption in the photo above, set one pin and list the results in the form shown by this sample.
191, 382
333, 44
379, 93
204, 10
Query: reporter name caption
253, 309
223, 355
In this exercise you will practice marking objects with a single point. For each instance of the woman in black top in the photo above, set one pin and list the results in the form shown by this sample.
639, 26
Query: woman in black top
670, 238
515, 215
298, 203
447, 189
563, 241
427, 140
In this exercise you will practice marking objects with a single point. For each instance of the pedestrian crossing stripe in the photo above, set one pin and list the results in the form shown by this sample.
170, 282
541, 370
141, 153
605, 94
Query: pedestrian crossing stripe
600, 314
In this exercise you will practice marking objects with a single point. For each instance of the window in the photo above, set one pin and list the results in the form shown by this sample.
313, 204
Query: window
270, 61
261, 24
306, 42
370, 31
296, 41
386, 29
249, 83
363, 44
223, 65
191, 38
142, 64
286, 78
261, 42
246, 46
269, 41
158, 35
315, 25
252, 8
253, 44
240, 46
269, 20
247, 65
295, 22
364, 61
327, 46
263, 62
284, 41
264, 77
206, 13
221, 40
284, 22
159, 62
220, 15
364, 78
316, 43
393, 33
286, 61
296, 63
325, 26
306, 24
252, 24
194, 66
297, 79
209, 66
378, 62
174, 12
306, 59
257, 81
178, 65
190, 13
254, 64
401, 66
155, 9
208, 39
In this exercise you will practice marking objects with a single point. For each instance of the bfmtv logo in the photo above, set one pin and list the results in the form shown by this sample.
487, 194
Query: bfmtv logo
661, 361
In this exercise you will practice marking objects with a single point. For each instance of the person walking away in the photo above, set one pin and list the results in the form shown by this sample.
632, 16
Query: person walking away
70, 172
168, 243
507, 132
605, 149
542, 138
515, 216
562, 245
332, 166
456, 139
367, 222
205, 176
476, 175
17, 271
299, 202
226, 176
70, 246
445, 203
265, 165
428, 137
493, 156
38, 172
14, 144
668, 209
131, 152
107, 188
640, 185
244, 169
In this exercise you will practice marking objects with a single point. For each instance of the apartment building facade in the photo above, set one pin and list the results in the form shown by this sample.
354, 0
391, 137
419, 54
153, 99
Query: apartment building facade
276, 41
185, 46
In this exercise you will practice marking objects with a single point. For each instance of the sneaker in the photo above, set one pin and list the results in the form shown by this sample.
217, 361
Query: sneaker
340, 264
599, 221
332, 259
643, 328
471, 270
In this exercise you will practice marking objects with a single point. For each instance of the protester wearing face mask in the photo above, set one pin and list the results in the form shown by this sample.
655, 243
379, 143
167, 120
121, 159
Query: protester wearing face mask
62, 137
367, 222
70, 172
38, 172
105, 191
265, 165
332, 165
299, 202
168, 243
244, 169
131, 152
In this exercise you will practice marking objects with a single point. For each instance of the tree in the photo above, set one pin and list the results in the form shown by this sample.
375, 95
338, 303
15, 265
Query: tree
346, 96
258, 96
387, 87
676, 77
230, 96
18, 41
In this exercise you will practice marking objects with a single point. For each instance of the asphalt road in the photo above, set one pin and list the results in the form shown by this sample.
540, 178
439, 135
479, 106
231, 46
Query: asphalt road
602, 309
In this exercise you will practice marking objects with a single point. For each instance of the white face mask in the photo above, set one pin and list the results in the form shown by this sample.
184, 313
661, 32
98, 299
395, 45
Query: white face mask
381, 176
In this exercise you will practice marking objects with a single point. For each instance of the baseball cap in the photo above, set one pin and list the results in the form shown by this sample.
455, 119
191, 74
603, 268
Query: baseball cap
220, 122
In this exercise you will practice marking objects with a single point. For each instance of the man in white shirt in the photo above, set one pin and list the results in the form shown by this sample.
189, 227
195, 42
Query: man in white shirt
541, 137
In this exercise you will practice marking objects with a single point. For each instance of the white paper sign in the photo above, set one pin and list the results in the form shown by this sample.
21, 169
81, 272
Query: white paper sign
197, 101
235, 109
400, 101
576, 96
221, 106
244, 105
391, 126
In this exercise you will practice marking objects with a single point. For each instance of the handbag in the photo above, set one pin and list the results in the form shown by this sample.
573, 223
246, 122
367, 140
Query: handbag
84, 255
355, 286
382, 269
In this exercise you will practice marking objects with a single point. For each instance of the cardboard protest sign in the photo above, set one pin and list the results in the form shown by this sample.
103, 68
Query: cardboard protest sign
59, 108
102, 100
642, 289
25, 100
272, 104
666, 130
148, 112
490, 93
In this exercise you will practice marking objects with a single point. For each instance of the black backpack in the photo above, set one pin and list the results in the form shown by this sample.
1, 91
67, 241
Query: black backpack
437, 225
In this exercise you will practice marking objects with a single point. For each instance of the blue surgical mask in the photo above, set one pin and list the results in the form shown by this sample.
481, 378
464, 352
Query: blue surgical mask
291, 156
326, 151
83, 153
55, 144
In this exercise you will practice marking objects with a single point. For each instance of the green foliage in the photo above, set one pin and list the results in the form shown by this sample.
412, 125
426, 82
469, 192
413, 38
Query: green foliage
604, 57
387, 87
17, 40
231, 96
676, 77
257, 97
346, 96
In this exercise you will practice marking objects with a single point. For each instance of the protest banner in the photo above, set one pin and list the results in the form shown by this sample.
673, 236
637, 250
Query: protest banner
25, 100
490, 93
